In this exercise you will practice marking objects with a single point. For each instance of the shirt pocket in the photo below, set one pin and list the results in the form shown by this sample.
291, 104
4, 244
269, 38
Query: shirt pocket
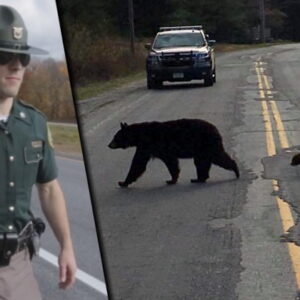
33, 154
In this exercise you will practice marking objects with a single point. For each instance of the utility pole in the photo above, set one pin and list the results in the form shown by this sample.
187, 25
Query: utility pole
131, 25
262, 17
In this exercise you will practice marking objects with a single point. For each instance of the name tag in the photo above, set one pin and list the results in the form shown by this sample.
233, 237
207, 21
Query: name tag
36, 144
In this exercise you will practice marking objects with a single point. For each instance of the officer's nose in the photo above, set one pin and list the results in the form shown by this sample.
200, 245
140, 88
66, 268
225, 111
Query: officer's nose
15, 63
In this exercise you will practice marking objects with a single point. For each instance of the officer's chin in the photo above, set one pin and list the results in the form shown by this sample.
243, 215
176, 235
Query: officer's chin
12, 91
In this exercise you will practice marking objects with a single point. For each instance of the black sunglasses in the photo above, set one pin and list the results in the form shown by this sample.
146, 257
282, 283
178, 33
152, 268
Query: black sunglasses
6, 57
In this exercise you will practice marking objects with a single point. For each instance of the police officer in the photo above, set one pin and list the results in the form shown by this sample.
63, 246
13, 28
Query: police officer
26, 158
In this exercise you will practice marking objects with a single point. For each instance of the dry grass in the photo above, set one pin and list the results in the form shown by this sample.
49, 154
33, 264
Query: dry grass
66, 139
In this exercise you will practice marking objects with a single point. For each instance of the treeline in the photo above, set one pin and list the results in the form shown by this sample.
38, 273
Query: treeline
97, 31
46, 86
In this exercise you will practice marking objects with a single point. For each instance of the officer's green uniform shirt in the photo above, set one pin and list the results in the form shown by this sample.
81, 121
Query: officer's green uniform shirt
26, 158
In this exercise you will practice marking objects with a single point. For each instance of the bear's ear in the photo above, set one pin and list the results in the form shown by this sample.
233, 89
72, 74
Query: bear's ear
124, 125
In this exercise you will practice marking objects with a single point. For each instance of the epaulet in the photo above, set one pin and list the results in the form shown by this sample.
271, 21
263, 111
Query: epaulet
22, 102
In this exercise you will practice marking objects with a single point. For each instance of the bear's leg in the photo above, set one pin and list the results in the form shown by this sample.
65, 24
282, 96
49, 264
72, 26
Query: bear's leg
138, 167
203, 165
225, 161
173, 167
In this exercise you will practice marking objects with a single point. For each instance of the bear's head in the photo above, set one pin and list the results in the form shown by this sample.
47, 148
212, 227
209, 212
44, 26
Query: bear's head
124, 138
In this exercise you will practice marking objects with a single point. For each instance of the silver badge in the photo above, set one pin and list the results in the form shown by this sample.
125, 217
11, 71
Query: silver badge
17, 32
22, 115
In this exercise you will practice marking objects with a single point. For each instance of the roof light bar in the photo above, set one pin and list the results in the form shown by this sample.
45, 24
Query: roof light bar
197, 27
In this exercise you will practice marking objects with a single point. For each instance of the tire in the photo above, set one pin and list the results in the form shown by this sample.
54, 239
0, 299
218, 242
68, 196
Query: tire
214, 75
158, 84
150, 83
209, 80
153, 84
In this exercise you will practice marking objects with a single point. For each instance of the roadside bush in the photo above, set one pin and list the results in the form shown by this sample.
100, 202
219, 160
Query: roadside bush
101, 58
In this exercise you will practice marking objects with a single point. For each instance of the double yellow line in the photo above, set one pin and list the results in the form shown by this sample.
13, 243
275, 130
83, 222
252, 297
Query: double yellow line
268, 105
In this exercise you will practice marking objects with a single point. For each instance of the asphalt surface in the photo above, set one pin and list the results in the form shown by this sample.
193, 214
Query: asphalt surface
219, 240
72, 178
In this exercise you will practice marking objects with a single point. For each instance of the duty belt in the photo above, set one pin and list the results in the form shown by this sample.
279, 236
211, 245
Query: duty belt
11, 243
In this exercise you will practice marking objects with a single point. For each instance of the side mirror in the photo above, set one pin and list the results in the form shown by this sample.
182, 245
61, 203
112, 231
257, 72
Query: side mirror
211, 42
148, 46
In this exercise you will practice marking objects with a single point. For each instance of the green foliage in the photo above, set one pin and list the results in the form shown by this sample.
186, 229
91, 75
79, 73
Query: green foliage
228, 20
291, 28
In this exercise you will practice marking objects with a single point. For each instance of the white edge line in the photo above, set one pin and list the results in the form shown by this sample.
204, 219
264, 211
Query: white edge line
89, 280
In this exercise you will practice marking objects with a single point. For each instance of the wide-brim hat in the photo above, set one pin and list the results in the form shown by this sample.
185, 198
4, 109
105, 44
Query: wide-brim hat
13, 33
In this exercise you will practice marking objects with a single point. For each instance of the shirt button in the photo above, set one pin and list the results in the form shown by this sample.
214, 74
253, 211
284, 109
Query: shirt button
11, 184
11, 208
6, 132
11, 158
10, 227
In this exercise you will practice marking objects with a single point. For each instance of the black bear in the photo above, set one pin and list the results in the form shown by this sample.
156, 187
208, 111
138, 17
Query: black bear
296, 160
168, 141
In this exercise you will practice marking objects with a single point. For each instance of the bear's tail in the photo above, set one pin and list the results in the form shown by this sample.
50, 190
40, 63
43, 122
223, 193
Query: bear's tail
225, 161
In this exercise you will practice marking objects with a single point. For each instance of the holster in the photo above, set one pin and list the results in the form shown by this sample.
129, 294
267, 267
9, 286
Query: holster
34, 244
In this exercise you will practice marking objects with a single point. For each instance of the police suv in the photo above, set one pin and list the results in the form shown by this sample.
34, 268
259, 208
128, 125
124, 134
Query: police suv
180, 53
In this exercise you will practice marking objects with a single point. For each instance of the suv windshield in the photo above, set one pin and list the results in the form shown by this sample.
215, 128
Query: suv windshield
194, 39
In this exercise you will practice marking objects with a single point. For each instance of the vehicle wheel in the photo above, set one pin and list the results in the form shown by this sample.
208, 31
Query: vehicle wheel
209, 80
150, 83
158, 84
214, 75
153, 84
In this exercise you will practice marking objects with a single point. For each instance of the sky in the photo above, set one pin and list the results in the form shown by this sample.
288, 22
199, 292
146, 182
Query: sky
42, 23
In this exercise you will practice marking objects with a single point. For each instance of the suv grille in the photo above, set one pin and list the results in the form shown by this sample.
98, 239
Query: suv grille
177, 59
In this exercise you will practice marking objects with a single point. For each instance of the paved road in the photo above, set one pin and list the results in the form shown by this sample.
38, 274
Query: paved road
223, 239
90, 281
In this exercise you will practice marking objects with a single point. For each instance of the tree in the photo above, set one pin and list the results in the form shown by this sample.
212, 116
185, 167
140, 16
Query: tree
46, 86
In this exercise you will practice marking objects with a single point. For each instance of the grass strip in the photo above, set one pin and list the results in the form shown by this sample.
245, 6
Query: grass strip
94, 89
65, 138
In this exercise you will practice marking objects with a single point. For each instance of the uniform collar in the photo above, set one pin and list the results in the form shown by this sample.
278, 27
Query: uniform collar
20, 112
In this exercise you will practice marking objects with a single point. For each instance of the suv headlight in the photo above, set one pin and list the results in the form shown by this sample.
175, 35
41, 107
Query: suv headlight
153, 59
202, 56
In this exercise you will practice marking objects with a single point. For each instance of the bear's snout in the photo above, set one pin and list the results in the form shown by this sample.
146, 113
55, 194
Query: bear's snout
112, 145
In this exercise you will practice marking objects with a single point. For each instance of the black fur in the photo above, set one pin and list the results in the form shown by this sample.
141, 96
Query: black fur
168, 141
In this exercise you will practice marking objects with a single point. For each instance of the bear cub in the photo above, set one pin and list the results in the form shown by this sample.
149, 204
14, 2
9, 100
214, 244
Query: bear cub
171, 140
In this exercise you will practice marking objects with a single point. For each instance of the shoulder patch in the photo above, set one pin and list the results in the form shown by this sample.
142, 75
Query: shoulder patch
50, 139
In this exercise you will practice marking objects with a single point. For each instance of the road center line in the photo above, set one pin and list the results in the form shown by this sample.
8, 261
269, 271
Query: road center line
279, 125
284, 209
89, 280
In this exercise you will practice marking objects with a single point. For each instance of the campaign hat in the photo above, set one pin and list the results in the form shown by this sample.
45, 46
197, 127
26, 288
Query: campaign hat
14, 34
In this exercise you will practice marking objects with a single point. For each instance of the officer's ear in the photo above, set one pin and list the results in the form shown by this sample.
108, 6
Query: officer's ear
123, 125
